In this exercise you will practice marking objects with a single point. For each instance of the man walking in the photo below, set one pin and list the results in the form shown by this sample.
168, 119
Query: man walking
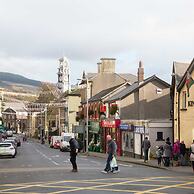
74, 146
111, 150
146, 146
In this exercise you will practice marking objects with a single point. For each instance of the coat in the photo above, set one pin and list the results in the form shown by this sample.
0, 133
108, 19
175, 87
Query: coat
112, 147
192, 153
73, 146
167, 150
146, 144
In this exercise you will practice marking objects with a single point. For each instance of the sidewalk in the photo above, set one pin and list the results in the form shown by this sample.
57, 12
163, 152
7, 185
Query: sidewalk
151, 163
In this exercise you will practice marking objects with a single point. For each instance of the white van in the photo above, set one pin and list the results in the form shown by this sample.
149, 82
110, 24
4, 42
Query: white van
64, 145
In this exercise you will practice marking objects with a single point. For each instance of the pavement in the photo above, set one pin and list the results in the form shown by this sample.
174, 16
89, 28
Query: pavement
151, 163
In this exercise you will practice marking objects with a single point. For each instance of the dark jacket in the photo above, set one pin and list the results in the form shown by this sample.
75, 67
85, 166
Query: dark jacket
73, 145
112, 147
167, 149
146, 144
182, 149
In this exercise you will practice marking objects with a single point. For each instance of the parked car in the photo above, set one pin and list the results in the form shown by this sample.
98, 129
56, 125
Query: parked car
13, 141
64, 144
9, 133
56, 144
17, 140
54, 139
7, 149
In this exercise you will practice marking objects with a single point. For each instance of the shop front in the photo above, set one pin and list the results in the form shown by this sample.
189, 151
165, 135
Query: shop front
94, 136
111, 127
127, 133
139, 134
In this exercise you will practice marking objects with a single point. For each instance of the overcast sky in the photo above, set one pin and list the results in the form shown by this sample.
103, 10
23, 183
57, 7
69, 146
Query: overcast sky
34, 34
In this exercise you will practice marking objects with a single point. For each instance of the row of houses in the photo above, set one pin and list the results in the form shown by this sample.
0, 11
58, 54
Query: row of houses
127, 106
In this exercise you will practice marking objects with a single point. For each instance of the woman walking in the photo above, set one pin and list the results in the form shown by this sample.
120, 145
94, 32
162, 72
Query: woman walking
192, 155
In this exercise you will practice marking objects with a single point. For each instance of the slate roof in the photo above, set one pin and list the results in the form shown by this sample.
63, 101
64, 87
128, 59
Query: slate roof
135, 86
103, 93
179, 71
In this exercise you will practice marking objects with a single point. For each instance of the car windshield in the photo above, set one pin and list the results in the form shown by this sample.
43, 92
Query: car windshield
67, 138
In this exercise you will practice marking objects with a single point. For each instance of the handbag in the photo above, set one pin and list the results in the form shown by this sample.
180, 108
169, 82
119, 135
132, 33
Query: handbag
113, 163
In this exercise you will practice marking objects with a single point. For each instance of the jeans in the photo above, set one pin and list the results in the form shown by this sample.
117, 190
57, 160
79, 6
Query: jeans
73, 160
146, 155
107, 168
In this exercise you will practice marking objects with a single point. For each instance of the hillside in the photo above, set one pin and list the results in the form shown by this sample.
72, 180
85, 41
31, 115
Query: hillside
16, 79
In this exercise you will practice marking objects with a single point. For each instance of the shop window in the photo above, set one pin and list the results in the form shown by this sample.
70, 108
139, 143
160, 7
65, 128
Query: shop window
160, 136
184, 98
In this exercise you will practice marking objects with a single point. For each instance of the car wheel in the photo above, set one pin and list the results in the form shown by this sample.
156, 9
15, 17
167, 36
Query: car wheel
14, 156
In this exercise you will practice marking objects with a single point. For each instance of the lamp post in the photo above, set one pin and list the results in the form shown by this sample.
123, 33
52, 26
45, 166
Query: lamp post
87, 118
87, 115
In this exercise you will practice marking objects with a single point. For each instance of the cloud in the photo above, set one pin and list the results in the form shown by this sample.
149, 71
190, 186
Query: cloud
34, 34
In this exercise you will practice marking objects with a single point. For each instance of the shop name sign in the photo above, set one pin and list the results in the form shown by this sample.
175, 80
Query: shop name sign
125, 127
140, 129
108, 124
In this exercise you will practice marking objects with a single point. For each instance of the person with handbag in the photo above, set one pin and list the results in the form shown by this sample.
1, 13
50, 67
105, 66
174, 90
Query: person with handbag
192, 155
111, 150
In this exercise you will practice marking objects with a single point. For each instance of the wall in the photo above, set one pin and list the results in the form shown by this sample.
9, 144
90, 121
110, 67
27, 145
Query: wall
187, 117
73, 108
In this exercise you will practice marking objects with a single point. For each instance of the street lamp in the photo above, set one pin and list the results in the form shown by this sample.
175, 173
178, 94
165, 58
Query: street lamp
85, 78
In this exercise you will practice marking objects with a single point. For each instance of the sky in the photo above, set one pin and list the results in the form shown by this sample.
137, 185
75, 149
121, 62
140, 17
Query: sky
34, 34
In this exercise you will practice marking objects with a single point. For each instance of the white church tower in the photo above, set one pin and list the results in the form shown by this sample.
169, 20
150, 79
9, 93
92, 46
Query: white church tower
63, 75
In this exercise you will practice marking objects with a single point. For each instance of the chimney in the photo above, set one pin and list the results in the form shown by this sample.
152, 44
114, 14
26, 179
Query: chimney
140, 73
99, 67
108, 65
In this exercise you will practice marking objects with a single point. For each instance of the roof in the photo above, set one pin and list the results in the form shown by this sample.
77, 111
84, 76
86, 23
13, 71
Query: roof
102, 94
127, 76
189, 69
9, 110
179, 70
135, 86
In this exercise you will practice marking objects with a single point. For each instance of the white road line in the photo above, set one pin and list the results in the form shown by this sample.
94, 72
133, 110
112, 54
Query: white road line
95, 162
126, 165
50, 159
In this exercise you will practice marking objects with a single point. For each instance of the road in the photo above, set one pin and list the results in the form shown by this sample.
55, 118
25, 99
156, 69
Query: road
40, 169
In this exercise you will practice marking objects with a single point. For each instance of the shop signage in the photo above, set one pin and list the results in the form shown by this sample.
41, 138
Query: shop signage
94, 127
140, 129
108, 124
125, 127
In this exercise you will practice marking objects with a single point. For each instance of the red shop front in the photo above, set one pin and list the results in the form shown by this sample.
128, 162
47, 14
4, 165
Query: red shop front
111, 127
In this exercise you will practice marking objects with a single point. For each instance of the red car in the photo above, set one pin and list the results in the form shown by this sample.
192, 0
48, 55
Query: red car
56, 144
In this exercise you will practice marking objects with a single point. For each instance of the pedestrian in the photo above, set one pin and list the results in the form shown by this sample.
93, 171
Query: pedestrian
49, 139
159, 153
146, 146
111, 150
167, 152
176, 151
74, 146
182, 153
192, 155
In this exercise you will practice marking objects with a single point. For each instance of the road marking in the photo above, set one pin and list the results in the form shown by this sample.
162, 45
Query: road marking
45, 156
166, 187
126, 165
98, 163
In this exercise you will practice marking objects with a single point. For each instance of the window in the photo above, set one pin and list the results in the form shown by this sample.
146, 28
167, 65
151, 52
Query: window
160, 136
184, 98
158, 91
127, 141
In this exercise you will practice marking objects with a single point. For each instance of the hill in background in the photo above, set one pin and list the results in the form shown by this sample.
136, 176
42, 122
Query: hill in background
16, 79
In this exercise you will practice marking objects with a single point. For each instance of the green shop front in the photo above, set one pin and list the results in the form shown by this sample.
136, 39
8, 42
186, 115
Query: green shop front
94, 136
